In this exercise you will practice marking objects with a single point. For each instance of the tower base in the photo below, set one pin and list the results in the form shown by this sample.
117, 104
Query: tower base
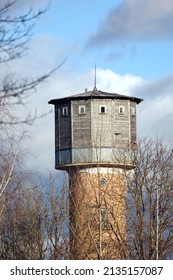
97, 214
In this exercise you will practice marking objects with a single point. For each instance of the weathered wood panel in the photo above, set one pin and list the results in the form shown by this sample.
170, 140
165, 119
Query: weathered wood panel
133, 124
121, 125
94, 129
63, 157
101, 123
62, 127
81, 124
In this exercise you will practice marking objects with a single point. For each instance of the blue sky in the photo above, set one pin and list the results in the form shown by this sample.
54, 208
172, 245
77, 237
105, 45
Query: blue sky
131, 42
74, 23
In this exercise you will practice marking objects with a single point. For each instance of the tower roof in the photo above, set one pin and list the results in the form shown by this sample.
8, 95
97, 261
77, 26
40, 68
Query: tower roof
96, 94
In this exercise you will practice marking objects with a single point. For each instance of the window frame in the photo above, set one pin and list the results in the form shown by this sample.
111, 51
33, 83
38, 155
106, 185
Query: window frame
65, 111
80, 107
105, 111
121, 110
103, 181
104, 217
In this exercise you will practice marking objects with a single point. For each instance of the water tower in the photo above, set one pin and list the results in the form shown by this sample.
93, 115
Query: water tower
95, 132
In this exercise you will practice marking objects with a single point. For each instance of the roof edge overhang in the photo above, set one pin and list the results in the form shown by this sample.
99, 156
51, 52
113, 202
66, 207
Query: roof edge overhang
120, 97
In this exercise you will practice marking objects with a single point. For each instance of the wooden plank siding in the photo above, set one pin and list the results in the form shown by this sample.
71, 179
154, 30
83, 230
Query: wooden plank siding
94, 135
81, 124
101, 123
133, 124
62, 127
120, 124
111, 129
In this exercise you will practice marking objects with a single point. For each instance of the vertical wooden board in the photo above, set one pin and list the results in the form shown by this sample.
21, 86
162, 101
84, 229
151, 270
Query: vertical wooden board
81, 124
120, 133
133, 124
101, 123
62, 126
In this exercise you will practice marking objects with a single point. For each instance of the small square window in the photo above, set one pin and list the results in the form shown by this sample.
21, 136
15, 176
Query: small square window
65, 111
103, 109
103, 217
121, 110
103, 181
82, 109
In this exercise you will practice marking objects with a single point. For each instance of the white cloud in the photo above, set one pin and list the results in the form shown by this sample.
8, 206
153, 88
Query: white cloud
134, 19
153, 113
112, 82
65, 83
156, 113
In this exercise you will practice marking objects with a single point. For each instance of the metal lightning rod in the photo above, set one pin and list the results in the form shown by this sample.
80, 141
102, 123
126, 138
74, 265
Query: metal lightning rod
95, 79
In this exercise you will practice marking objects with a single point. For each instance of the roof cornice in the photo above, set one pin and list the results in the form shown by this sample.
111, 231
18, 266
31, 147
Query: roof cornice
95, 94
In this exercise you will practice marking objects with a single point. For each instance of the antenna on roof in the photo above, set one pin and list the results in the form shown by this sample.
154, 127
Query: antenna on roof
95, 79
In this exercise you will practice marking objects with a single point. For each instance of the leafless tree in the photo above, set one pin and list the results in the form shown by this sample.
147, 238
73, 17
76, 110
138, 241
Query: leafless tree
150, 203
57, 201
131, 215
10, 161
34, 221
33, 214
128, 216
15, 33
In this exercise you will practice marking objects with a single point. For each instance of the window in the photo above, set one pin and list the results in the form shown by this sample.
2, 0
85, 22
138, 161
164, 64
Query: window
103, 181
103, 109
82, 109
103, 217
65, 111
121, 110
